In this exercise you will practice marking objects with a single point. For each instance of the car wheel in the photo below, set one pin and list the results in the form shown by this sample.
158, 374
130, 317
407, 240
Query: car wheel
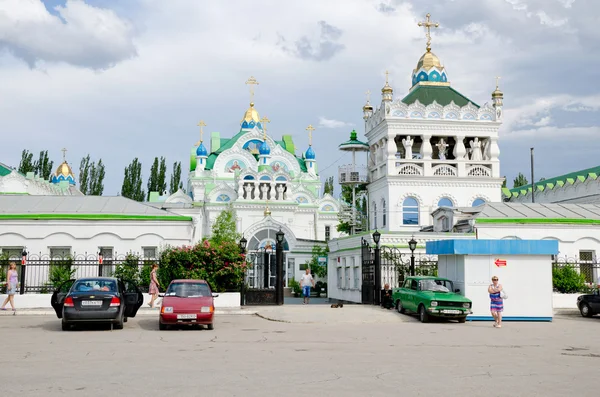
210, 327
462, 320
585, 310
119, 324
162, 326
65, 326
399, 307
124, 319
423, 316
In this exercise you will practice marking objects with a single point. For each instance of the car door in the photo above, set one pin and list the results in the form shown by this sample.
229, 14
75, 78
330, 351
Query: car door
407, 295
133, 298
595, 302
58, 297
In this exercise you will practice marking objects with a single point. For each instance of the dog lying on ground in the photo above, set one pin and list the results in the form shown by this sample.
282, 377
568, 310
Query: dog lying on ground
337, 305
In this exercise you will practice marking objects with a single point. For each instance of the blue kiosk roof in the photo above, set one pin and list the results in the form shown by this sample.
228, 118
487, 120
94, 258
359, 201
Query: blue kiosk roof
492, 247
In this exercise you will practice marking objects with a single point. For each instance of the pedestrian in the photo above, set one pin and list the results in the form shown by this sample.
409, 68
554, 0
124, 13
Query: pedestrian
154, 284
11, 286
387, 302
307, 281
497, 302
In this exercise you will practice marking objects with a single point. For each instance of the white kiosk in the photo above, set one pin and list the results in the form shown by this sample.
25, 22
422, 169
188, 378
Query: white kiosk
524, 268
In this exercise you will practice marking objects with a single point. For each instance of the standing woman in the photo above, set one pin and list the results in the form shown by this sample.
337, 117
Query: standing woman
153, 290
497, 303
11, 286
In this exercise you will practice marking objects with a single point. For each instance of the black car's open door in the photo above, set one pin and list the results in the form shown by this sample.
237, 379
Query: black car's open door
133, 298
58, 297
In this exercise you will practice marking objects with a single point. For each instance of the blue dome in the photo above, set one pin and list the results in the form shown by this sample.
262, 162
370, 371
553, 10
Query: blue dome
310, 154
431, 75
264, 149
61, 178
201, 151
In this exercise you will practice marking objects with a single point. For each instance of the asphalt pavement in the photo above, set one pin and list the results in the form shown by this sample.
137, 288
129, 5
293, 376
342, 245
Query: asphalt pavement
353, 351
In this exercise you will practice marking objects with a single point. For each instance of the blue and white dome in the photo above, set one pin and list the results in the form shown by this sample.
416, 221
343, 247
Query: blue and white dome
63, 173
264, 149
201, 151
310, 154
429, 69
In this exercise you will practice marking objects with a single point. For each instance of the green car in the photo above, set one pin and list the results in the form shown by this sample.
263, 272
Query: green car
431, 297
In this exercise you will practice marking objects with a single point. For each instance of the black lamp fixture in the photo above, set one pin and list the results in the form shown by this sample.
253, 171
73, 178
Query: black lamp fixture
376, 237
279, 236
243, 243
412, 244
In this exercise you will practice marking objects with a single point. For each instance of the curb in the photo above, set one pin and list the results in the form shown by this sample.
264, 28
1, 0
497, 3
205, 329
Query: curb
143, 313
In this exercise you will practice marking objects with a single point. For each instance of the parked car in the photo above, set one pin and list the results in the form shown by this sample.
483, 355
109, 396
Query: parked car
96, 299
589, 304
431, 297
187, 302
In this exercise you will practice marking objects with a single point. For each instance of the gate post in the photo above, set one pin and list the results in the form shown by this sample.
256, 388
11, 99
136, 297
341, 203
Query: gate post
279, 263
377, 263
22, 275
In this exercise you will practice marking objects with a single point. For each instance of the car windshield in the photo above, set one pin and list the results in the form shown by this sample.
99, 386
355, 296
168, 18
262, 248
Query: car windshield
188, 290
94, 285
436, 285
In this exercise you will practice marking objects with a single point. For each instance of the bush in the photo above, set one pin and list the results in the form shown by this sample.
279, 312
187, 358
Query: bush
295, 286
567, 280
130, 270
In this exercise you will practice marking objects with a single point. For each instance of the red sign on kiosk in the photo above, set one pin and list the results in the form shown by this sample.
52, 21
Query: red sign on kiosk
500, 262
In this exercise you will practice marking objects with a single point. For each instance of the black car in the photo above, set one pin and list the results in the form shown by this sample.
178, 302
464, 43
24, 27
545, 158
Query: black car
589, 304
96, 299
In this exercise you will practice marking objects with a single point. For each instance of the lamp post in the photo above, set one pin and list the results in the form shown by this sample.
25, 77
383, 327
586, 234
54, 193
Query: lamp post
377, 264
412, 244
242, 245
279, 261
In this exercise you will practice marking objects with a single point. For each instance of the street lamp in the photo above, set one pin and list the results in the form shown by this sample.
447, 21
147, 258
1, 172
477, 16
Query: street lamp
279, 236
243, 243
412, 245
377, 264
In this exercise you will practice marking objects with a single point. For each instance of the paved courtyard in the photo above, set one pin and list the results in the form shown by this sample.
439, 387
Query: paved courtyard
347, 355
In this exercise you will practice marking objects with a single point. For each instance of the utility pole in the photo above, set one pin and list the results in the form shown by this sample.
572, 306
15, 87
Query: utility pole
532, 180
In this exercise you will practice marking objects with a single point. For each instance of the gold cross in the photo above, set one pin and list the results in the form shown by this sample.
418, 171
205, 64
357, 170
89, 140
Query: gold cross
310, 129
368, 93
251, 82
428, 25
64, 154
201, 124
264, 122
497, 79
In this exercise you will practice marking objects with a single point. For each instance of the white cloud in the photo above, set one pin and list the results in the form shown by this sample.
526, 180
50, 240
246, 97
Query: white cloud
81, 35
330, 123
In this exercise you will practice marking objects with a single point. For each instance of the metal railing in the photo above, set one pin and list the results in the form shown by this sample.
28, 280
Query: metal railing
588, 271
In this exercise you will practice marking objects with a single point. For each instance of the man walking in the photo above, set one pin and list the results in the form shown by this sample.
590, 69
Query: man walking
306, 282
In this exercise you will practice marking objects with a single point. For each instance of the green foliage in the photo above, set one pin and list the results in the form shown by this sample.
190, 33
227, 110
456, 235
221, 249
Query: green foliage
567, 280
360, 203
295, 286
26, 165
61, 271
220, 264
504, 182
519, 181
225, 229
91, 177
132, 182
176, 182
328, 187
129, 270
319, 270
43, 166
158, 174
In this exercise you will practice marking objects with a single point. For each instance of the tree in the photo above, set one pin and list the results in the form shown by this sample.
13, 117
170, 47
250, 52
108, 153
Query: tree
176, 183
328, 188
91, 177
519, 181
26, 165
319, 270
504, 182
158, 174
43, 166
360, 204
132, 181
225, 227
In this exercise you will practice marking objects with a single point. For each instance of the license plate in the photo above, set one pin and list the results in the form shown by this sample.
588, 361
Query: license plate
451, 311
186, 316
91, 303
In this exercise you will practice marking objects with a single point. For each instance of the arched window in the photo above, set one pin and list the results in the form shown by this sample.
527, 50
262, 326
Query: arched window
410, 211
384, 213
374, 215
445, 202
478, 202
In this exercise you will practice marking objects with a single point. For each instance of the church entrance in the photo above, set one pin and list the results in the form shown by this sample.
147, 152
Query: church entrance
264, 281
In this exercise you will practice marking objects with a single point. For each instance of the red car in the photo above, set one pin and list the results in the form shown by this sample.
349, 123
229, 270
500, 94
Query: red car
187, 302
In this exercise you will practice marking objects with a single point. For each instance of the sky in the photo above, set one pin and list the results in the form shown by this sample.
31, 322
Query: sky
119, 80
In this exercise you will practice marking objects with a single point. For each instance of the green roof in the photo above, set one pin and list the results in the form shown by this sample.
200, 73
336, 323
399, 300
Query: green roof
443, 95
556, 182
4, 170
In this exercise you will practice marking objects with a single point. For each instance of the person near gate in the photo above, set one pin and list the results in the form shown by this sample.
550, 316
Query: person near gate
153, 290
386, 300
497, 302
11, 286
307, 281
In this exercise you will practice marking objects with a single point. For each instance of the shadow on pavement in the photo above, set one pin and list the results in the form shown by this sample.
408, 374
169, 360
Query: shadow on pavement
151, 324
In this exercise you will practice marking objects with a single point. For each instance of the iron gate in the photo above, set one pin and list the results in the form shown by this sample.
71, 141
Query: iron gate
368, 273
260, 280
